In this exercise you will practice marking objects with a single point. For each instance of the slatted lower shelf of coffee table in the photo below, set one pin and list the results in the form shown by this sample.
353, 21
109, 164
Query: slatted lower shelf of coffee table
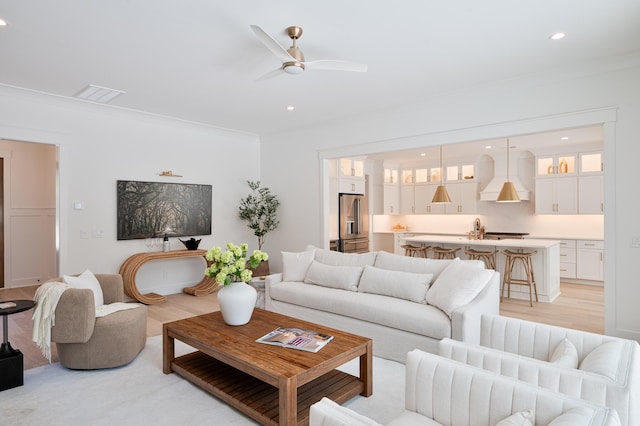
258, 399
271, 384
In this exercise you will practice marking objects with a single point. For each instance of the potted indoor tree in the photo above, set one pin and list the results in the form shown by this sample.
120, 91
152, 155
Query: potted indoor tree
259, 210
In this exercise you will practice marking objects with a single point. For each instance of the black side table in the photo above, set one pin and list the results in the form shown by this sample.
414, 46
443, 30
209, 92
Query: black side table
11, 360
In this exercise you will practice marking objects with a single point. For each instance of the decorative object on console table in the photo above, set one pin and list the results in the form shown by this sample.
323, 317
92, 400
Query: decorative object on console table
259, 210
191, 244
237, 298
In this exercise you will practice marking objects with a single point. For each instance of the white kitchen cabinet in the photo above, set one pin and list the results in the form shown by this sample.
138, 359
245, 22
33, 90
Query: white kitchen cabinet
591, 194
460, 172
391, 198
553, 165
590, 260
464, 198
352, 167
591, 162
390, 176
568, 259
351, 185
407, 199
557, 195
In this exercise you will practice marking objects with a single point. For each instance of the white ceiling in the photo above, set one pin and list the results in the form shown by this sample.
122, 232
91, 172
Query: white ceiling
198, 60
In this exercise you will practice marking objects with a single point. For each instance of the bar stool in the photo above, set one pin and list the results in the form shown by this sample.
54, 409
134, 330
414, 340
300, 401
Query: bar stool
444, 253
488, 257
414, 251
527, 264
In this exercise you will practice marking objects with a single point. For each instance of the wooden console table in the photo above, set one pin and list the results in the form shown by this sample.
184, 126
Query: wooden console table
130, 267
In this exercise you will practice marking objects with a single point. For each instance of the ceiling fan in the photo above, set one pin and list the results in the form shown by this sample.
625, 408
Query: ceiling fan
292, 59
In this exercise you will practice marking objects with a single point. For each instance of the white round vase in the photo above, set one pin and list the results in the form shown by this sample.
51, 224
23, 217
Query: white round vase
237, 301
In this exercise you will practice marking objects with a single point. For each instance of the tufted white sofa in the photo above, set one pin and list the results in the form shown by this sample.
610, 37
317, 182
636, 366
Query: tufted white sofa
597, 368
400, 302
440, 391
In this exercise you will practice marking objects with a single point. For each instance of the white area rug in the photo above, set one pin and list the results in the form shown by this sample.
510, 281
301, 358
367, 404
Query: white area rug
140, 394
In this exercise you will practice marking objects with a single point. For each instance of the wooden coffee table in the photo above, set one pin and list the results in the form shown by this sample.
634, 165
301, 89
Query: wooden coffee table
270, 384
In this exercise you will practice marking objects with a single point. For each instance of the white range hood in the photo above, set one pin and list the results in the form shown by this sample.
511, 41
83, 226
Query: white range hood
491, 191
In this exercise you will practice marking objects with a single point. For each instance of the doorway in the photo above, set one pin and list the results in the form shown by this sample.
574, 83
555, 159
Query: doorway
28, 222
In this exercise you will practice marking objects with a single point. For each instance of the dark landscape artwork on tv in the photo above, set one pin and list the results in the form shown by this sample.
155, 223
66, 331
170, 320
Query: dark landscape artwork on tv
151, 209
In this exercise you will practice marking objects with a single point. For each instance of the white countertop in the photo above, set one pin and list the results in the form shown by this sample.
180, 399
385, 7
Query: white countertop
444, 239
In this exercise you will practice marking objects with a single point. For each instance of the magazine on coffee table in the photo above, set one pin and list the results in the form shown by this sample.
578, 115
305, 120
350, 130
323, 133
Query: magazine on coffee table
296, 338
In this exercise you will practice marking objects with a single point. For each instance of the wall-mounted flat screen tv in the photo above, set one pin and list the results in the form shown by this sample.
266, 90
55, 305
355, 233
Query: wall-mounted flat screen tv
152, 209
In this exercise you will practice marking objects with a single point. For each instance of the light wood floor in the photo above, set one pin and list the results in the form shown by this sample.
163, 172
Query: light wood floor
580, 307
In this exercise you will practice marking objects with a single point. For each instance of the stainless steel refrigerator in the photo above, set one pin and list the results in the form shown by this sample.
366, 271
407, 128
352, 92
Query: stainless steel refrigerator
354, 223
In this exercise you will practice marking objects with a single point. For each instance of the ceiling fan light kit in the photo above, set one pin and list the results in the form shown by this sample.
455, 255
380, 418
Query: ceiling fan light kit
292, 59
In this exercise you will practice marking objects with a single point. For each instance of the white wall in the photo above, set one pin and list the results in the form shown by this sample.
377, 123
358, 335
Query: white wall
99, 145
527, 105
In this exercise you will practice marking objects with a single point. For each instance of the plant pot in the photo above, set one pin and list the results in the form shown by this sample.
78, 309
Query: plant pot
262, 270
237, 301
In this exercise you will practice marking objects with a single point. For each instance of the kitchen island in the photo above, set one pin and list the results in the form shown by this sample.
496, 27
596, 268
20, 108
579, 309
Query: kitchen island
546, 262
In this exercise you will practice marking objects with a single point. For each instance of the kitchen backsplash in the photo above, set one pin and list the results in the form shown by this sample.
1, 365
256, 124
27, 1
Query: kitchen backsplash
544, 226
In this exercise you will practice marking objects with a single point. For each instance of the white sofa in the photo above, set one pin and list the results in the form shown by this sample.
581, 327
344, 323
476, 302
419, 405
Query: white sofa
594, 367
441, 391
400, 302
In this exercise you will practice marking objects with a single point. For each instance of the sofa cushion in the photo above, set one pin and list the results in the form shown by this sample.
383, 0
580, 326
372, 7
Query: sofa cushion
296, 265
574, 417
604, 360
521, 418
417, 265
86, 280
327, 413
342, 277
336, 258
565, 355
416, 318
458, 284
404, 285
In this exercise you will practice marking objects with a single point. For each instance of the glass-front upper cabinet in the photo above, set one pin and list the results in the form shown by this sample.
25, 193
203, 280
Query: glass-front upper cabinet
352, 167
591, 162
390, 175
422, 175
406, 176
460, 172
435, 175
556, 165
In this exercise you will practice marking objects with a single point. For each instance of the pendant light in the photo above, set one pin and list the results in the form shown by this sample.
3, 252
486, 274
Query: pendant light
441, 195
508, 193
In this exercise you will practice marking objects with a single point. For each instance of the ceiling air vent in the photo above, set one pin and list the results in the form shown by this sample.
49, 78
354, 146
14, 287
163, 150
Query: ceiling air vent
98, 94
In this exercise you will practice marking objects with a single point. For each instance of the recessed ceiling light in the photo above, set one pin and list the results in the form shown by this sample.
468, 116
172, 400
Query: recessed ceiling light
565, 138
3, 23
423, 154
487, 147
558, 36
290, 108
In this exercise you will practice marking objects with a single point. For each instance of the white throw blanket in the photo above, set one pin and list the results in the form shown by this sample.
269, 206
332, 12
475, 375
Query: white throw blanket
46, 298
104, 310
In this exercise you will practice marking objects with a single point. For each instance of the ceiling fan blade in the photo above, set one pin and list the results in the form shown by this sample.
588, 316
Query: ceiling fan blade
335, 65
275, 48
271, 74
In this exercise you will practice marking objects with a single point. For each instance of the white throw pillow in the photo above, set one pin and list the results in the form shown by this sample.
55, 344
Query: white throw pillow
342, 277
87, 280
604, 360
565, 355
336, 258
403, 285
574, 417
521, 418
295, 265
458, 284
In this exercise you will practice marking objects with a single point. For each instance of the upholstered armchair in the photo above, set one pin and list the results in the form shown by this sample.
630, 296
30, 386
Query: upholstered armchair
85, 342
